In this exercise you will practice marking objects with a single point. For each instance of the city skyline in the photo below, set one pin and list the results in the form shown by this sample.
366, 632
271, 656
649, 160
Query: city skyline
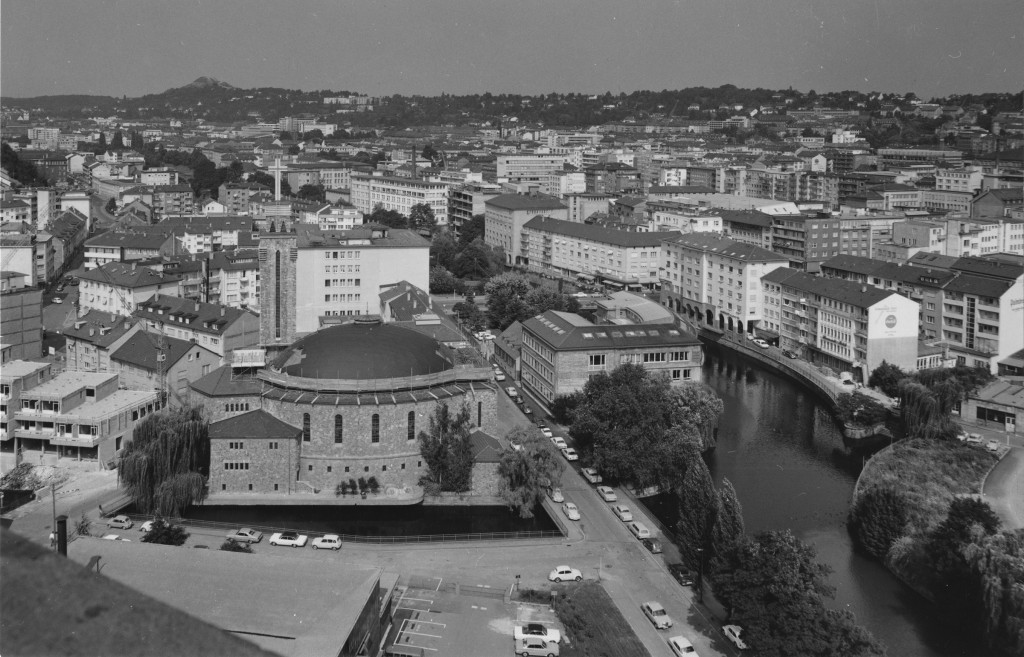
928, 47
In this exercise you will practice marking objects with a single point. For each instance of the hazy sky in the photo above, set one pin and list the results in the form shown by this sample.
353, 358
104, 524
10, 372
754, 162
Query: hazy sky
381, 47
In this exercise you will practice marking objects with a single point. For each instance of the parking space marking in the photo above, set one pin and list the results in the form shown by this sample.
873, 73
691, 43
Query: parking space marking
432, 636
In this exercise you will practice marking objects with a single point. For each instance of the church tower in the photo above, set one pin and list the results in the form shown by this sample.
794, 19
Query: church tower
278, 254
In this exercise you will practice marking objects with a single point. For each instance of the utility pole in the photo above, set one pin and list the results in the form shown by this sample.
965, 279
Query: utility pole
53, 527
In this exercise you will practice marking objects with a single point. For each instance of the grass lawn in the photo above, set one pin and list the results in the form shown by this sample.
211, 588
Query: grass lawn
594, 626
929, 474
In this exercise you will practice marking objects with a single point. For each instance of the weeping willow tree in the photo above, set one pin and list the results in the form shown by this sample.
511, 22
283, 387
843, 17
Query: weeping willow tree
926, 412
163, 469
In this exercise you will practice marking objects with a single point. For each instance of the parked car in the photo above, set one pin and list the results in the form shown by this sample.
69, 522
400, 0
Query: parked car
245, 535
962, 437
564, 574
120, 522
545, 430
327, 542
683, 575
538, 630
992, 445
556, 495
289, 539
57, 300
973, 439
115, 537
558, 442
498, 376
681, 646
653, 545
852, 385
570, 454
511, 392
623, 512
533, 646
526, 409
760, 343
146, 526
732, 632
789, 354
570, 511
657, 615
590, 474
607, 493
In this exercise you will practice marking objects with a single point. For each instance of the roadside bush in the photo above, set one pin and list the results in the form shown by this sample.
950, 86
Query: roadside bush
163, 533
232, 545
877, 520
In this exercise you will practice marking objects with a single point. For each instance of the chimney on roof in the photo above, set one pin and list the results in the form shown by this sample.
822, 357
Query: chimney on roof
92, 332
133, 266
223, 311
197, 306
863, 288
127, 324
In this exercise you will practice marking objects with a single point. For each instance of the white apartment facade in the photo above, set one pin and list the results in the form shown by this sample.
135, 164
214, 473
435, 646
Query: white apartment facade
399, 194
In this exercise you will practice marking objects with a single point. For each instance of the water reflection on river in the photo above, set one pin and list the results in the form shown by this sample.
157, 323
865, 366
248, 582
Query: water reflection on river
782, 451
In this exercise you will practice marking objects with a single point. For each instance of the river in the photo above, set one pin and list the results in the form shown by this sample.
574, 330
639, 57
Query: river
781, 449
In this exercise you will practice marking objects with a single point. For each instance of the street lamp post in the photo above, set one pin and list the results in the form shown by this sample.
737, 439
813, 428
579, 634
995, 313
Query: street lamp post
700, 575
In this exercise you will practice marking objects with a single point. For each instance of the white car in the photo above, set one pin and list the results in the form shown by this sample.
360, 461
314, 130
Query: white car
564, 574
115, 537
245, 535
623, 512
536, 630
570, 454
570, 511
607, 494
327, 542
498, 376
992, 445
545, 430
732, 632
681, 646
556, 495
973, 439
120, 522
558, 442
657, 615
590, 474
146, 526
760, 343
291, 539
511, 392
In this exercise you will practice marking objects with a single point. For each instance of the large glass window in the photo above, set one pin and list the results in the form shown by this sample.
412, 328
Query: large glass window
338, 428
305, 427
375, 428
412, 426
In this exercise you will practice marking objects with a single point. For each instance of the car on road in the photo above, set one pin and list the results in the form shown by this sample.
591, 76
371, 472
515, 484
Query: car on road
245, 535
656, 614
623, 512
652, 545
590, 474
57, 300
120, 522
789, 354
607, 493
538, 630
556, 495
115, 537
564, 574
681, 646
526, 409
499, 376
849, 384
571, 511
545, 430
558, 442
570, 454
973, 439
327, 542
683, 575
146, 526
512, 392
289, 539
732, 632
992, 445
760, 343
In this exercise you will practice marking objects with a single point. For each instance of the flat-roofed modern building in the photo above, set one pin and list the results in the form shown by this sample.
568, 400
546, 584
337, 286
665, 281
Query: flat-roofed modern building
506, 214
616, 258
399, 194
83, 416
843, 325
561, 351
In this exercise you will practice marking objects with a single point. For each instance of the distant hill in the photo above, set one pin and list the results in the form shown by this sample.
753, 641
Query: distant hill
203, 82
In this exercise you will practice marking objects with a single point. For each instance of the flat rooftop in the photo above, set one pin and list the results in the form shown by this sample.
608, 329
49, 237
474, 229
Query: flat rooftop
290, 605
17, 369
67, 382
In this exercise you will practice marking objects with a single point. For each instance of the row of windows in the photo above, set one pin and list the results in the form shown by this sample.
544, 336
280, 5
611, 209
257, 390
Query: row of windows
339, 428
366, 468
236, 465
234, 407
342, 297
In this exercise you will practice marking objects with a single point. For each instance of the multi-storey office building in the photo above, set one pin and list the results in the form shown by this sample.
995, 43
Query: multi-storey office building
399, 194
505, 216
118, 288
561, 351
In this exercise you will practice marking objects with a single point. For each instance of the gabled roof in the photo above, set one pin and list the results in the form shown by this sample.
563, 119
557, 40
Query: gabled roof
222, 383
989, 268
853, 264
257, 425
713, 243
99, 328
750, 217
140, 351
856, 294
199, 316
926, 259
141, 240
525, 202
979, 286
566, 331
485, 447
406, 301
121, 274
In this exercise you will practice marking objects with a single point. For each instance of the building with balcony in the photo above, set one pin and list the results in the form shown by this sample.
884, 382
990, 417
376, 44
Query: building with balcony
561, 351
78, 415
467, 201
235, 196
616, 258
16, 377
173, 199
716, 281
219, 328
128, 246
92, 338
118, 288
505, 216
682, 217
844, 325
234, 278
399, 194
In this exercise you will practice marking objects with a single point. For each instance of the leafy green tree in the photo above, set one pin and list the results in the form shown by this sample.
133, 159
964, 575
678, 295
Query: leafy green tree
163, 469
526, 473
886, 377
164, 533
925, 414
478, 261
117, 143
83, 526
471, 230
470, 315
111, 205
312, 193
428, 152
878, 518
563, 406
506, 300
441, 281
389, 218
421, 217
23, 171
633, 427
998, 563
284, 135
231, 545
858, 408
267, 180
772, 585
137, 143
729, 527
446, 449
698, 512
443, 249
